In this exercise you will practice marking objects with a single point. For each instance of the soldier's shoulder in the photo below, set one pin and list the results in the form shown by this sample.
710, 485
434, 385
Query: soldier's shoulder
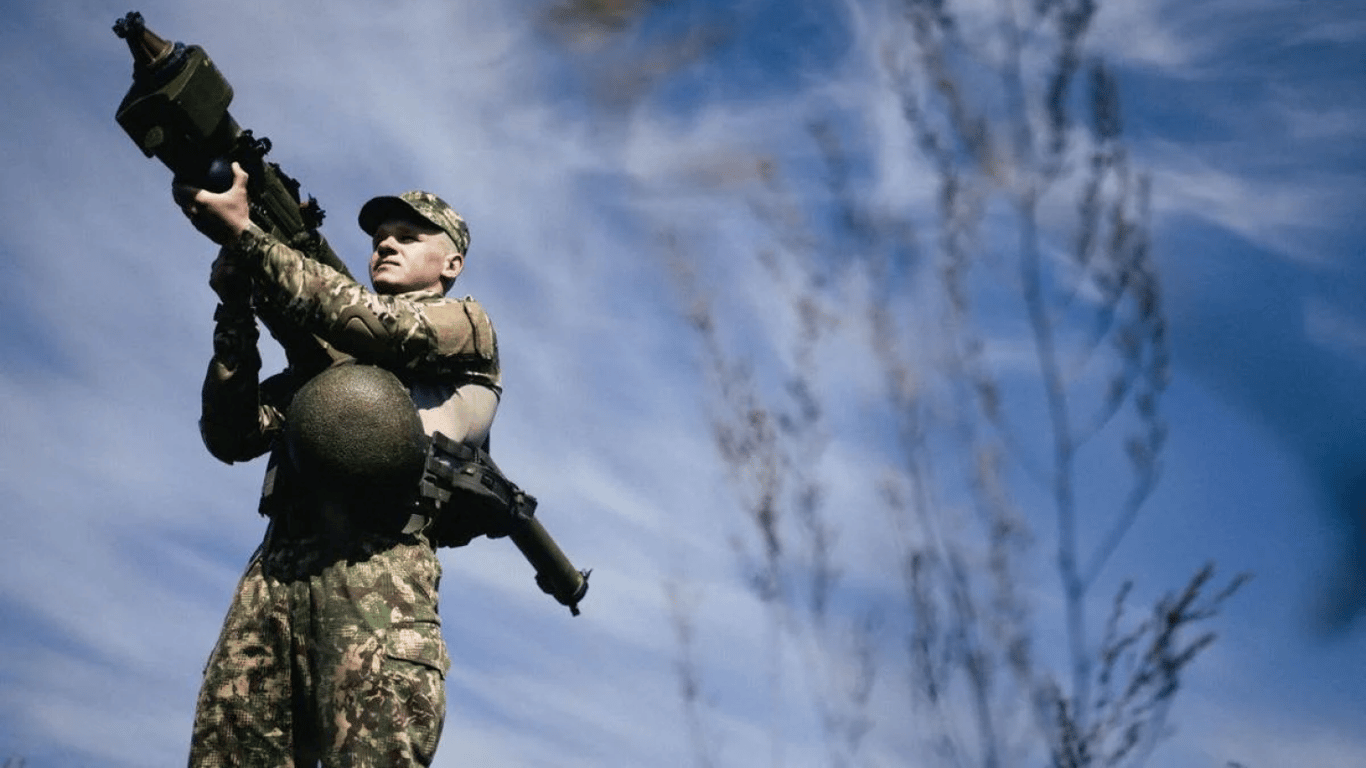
462, 326
436, 297
470, 305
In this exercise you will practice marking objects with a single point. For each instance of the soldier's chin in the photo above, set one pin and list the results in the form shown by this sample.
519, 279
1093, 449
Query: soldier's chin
383, 280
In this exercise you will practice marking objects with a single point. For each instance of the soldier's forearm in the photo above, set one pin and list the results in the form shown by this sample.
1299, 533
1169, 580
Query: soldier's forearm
329, 304
230, 400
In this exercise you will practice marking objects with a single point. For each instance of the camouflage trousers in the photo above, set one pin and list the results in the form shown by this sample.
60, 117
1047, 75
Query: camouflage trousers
330, 653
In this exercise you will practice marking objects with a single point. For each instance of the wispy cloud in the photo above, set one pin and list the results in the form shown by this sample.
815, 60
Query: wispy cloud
123, 537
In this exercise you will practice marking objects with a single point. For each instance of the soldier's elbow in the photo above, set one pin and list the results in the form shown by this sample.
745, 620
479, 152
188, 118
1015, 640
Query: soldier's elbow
224, 447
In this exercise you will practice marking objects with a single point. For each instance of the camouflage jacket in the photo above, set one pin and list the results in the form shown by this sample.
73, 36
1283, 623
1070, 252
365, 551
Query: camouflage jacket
433, 343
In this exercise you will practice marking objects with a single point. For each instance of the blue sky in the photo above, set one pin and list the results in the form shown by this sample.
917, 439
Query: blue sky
123, 538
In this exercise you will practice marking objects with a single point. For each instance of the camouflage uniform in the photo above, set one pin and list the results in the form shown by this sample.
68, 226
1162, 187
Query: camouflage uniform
332, 648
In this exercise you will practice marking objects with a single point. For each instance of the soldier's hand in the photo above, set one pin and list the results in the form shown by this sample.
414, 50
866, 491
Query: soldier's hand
219, 216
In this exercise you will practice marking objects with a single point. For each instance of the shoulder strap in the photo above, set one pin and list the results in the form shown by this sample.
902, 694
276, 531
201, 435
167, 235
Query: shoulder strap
467, 495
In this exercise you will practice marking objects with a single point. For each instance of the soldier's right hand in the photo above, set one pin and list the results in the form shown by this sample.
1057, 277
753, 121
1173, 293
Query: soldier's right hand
219, 216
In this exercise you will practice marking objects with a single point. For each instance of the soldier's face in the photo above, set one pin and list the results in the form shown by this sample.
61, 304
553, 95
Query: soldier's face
411, 255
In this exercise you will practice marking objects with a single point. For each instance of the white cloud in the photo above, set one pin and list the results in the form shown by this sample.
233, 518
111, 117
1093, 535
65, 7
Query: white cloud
1335, 328
124, 538
1264, 210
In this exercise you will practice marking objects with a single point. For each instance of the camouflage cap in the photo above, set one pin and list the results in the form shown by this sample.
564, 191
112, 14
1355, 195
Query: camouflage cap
427, 206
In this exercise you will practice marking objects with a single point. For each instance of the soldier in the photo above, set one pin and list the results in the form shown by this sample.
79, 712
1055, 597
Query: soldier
332, 650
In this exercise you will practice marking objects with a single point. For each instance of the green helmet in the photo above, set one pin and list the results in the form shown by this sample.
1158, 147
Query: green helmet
352, 432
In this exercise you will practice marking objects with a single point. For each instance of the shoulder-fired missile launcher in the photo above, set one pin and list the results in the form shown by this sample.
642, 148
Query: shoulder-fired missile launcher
177, 111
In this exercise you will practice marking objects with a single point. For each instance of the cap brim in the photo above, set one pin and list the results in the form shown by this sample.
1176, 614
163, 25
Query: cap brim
373, 213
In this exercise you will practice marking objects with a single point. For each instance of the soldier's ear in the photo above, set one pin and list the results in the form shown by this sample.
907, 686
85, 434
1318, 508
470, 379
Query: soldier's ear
455, 263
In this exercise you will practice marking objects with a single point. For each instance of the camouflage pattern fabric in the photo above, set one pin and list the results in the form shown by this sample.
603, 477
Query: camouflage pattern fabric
425, 205
419, 334
332, 648
235, 336
331, 652
236, 422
